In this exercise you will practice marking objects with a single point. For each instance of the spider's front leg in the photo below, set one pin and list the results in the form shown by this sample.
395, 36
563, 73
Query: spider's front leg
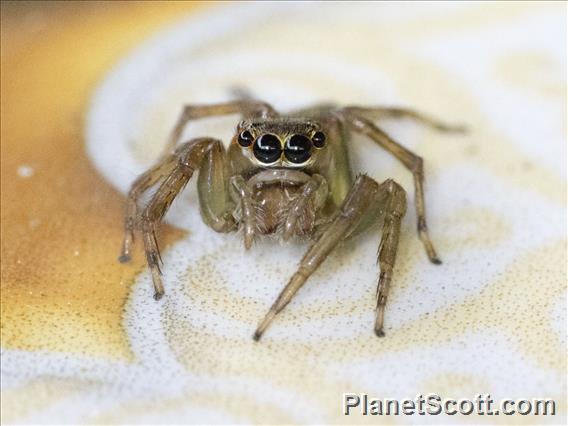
248, 107
174, 173
365, 203
144, 182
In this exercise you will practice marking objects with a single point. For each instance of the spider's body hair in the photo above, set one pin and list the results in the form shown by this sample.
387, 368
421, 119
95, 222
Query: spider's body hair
281, 126
272, 206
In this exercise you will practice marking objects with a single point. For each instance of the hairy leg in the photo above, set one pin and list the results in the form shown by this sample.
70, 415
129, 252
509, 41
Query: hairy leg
361, 201
411, 161
172, 173
195, 112
313, 111
390, 205
379, 113
138, 188
339, 174
394, 208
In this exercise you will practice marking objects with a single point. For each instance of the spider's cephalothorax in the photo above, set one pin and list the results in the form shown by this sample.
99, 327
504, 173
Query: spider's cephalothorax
288, 176
281, 142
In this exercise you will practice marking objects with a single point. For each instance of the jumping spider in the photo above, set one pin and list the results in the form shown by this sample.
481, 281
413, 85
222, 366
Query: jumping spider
289, 176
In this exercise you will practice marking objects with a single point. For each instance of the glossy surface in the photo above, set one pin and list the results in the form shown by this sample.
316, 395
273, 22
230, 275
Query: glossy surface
267, 148
298, 149
245, 139
318, 139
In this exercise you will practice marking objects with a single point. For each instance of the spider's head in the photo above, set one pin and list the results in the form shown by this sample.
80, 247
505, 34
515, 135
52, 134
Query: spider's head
280, 142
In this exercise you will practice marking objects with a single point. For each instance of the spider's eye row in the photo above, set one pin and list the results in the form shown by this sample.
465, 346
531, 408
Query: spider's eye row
245, 139
267, 148
318, 139
298, 149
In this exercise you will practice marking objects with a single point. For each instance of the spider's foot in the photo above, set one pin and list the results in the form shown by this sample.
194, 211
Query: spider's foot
124, 258
379, 332
425, 238
379, 320
264, 324
435, 260
431, 253
157, 281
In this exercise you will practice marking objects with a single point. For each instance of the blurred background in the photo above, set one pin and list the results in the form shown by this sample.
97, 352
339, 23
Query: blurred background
90, 90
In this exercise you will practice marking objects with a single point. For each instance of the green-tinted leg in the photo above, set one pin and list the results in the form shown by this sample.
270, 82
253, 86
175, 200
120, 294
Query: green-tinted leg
212, 187
339, 175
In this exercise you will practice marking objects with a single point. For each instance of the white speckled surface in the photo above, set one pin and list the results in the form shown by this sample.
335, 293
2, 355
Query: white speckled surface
491, 319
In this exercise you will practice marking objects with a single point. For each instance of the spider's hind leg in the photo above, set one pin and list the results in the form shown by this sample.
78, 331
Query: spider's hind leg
411, 161
313, 111
246, 107
380, 113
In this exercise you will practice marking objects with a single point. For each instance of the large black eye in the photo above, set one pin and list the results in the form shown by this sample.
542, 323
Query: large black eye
318, 139
298, 149
267, 148
245, 138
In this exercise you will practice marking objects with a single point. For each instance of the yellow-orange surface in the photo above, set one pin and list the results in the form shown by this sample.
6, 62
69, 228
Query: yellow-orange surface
62, 288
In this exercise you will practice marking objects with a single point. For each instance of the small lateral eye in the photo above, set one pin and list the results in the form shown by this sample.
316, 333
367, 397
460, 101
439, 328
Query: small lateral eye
318, 139
245, 139
298, 149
